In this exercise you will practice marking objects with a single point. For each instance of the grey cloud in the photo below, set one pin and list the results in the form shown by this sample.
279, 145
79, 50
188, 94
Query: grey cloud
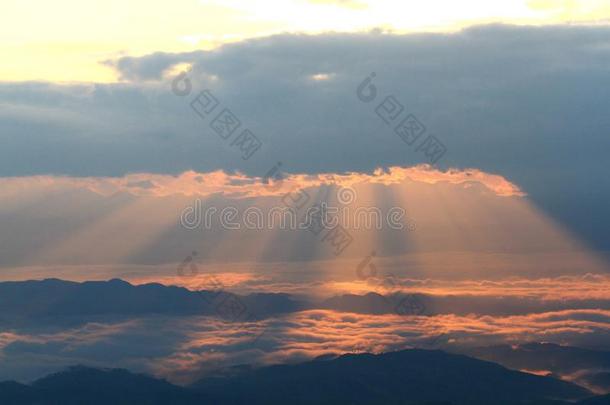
526, 102
149, 67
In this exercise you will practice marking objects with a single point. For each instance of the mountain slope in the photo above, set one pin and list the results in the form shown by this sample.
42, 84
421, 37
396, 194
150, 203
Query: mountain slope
544, 356
52, 298
584, 366
409, 376
84, 385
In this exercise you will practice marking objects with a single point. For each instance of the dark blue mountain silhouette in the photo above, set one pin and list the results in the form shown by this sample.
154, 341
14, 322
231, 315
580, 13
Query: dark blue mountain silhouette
543, 356
52, 298
84, 385
410, 377
601, 400
586, 366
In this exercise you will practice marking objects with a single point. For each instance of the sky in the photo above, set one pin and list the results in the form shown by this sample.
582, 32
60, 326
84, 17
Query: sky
65, 41
115, 145
523, 102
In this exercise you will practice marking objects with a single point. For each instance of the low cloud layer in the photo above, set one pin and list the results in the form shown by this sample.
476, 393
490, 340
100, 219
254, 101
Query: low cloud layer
187, 348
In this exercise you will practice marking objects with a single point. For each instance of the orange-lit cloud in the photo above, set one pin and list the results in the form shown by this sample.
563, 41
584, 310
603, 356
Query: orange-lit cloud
240, 185
310, 334
184, 349
586, 287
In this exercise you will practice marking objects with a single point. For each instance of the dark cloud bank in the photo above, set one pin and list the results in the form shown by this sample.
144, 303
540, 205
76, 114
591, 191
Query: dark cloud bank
528, 103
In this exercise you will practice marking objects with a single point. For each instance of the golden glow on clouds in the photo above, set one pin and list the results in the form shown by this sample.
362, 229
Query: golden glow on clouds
468, 224
143, 229
186, 347
309, 334
65, 40
240, 185
586, 287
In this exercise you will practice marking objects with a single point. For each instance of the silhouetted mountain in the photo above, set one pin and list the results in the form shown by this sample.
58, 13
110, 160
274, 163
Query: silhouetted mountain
371, 303
12, 392
83, 385
544, 356
600, 381
588, 367
601, 400
410, 377
271, 303
52, 298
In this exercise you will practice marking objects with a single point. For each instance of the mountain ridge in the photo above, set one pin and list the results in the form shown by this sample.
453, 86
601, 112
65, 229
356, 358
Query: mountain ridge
408, 377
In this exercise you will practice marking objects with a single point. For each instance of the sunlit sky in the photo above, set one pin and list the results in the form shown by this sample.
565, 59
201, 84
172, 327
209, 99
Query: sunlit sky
66, 40
507, 236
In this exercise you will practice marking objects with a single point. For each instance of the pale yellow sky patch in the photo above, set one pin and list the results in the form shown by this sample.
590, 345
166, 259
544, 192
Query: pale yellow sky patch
65, 40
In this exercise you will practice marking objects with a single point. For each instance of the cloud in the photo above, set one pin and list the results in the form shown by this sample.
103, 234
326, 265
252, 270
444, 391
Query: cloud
522, 102
353, 4
184, 349
587, 10
461, 86
451, 224
149, 67
239, 185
